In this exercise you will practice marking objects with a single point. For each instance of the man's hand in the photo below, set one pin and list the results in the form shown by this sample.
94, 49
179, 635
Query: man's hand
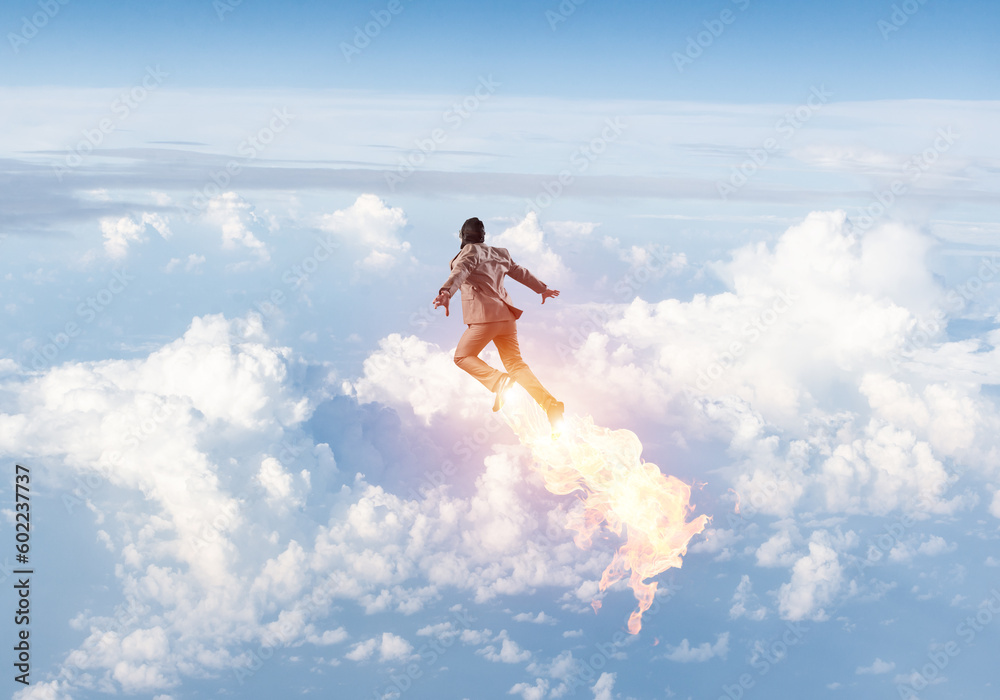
549, 293
442, 300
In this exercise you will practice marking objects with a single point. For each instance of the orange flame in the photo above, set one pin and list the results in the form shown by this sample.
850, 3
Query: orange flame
619, 490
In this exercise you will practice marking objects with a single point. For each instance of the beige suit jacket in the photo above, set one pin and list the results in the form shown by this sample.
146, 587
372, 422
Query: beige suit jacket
478, 270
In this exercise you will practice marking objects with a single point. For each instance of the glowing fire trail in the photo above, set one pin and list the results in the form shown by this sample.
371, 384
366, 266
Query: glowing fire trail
619, 490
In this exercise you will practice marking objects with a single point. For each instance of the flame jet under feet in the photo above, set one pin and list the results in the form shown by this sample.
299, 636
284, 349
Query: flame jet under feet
619, 490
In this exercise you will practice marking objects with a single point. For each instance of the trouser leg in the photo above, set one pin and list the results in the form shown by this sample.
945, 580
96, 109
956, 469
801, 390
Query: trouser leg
475, 338
510, 354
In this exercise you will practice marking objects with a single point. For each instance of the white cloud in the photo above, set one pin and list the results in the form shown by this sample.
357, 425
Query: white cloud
539, 619
509, 653
716, 541
193, 263
394, 648
654, 257
527, 246
816, 579
757, 365
45, 690
371, 225
878, 666
335, 636
604, 688
745, 603
685, 653
120, 233
995, 504
932, 546
390, 647
476, 637
282, 487
407, 371
362, 651
779, 549
236, 217
531, 692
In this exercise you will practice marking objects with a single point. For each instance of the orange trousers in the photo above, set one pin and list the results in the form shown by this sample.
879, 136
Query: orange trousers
503, 335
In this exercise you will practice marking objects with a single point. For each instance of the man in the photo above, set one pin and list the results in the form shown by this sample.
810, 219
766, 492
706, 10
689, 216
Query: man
478, 270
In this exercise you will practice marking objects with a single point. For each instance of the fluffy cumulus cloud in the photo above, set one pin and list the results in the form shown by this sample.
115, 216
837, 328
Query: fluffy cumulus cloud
121, 232
135, 433
686, 653
604, 688
817, 578
372, 226
808, 369
745, 602
537, 691
824, 366
877, 667
238, 220
508, 651
390, 647
764, 366
199, 471
526, 243
539, 619
406, 371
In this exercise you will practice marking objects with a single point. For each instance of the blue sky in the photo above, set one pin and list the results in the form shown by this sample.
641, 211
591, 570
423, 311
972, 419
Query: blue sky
767, 52
256, 470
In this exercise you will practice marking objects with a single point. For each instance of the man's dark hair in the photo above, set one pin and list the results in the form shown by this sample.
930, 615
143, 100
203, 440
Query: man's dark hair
473, 231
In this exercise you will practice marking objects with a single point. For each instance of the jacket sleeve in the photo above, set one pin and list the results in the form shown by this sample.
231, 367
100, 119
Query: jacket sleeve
463, 264
523, 276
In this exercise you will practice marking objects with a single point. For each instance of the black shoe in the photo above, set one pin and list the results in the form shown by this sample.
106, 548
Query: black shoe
555, 413
502, 386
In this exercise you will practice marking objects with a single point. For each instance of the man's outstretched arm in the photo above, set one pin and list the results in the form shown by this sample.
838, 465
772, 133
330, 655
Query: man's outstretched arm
524, 276
464, 263
442, 300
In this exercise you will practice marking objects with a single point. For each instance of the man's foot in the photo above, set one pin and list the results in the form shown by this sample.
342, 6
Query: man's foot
503, 384
555, 413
